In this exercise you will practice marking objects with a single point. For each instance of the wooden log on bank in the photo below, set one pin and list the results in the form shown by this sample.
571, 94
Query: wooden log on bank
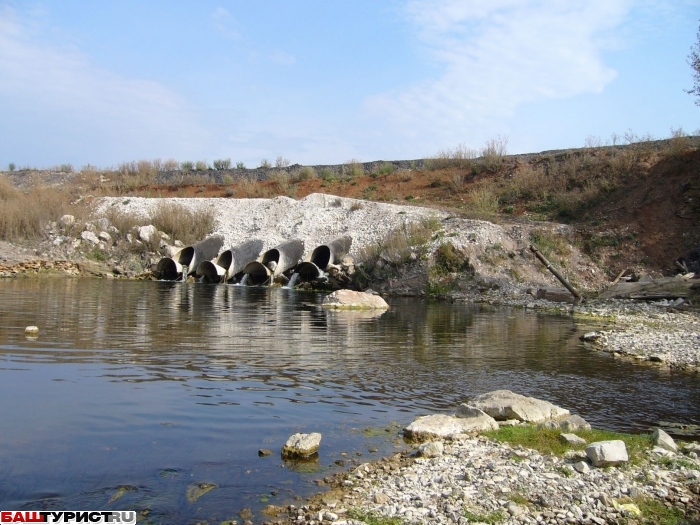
577, 296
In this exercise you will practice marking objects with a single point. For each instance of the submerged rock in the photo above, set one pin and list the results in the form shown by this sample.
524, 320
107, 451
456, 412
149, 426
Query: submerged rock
197, 490
121, 490
350, 300
504, 404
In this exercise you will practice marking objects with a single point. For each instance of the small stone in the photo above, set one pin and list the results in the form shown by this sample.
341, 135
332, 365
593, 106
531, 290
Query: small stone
572, 439
582, 467
380, 498
432, 449
104, 236
515, 510
89, 237
66, 220
264, 452
589, 337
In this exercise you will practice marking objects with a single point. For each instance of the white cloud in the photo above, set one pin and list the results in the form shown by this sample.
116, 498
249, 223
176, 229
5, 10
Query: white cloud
56, 90
495, 55
225, 24
282, 58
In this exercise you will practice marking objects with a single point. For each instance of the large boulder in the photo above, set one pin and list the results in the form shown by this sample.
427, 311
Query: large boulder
301, 445
146, 233
441, 426
504, 404
607, 453
350, 300
663, 440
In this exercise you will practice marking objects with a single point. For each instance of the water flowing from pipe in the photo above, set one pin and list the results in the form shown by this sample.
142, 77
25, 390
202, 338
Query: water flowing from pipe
292, 281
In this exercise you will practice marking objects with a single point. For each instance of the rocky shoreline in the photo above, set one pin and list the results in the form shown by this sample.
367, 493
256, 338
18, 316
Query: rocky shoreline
465, 478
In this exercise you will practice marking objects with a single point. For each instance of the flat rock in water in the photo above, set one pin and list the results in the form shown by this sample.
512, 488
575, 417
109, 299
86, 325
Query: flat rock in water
301, 445
444, 427
504, 404
607, 453
351, 300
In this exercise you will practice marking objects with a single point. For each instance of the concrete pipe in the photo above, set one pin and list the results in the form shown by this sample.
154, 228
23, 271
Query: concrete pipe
329, 253
274, 263
230, 262
171, 268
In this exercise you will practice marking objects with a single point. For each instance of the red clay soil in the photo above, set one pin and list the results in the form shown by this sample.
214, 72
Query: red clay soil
661, 210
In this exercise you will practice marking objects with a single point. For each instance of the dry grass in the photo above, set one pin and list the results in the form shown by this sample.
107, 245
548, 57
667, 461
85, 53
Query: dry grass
181, 223
24, 215
459, 157
483, 202
494, 152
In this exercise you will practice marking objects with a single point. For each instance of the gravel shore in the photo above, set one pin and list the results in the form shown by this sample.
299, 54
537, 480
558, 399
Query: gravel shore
478, 480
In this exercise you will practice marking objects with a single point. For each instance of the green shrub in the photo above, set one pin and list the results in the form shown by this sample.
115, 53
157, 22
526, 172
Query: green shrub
201, 165
305, 173
11, 166
222, 164
187, 166
353, 168
96, 255
240, 166
265, 164
385, 168
326, 173
450, 259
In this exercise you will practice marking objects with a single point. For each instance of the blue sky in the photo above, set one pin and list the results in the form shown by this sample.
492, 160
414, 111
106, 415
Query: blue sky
327, 81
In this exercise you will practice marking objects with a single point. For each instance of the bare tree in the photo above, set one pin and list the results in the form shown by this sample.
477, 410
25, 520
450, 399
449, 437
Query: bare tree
694, 61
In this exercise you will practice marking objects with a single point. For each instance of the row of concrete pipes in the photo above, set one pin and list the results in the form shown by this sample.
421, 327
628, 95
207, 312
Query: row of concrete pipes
244, 263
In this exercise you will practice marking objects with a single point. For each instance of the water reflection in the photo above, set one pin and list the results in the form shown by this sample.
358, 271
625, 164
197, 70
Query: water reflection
158, 385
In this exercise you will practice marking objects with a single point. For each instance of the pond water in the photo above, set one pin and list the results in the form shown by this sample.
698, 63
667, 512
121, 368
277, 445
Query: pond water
135, 391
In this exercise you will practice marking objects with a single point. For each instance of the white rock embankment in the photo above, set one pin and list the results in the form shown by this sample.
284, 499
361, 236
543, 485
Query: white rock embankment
495, 251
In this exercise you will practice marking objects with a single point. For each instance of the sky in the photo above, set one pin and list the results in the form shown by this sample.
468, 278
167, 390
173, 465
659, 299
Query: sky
323, 82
